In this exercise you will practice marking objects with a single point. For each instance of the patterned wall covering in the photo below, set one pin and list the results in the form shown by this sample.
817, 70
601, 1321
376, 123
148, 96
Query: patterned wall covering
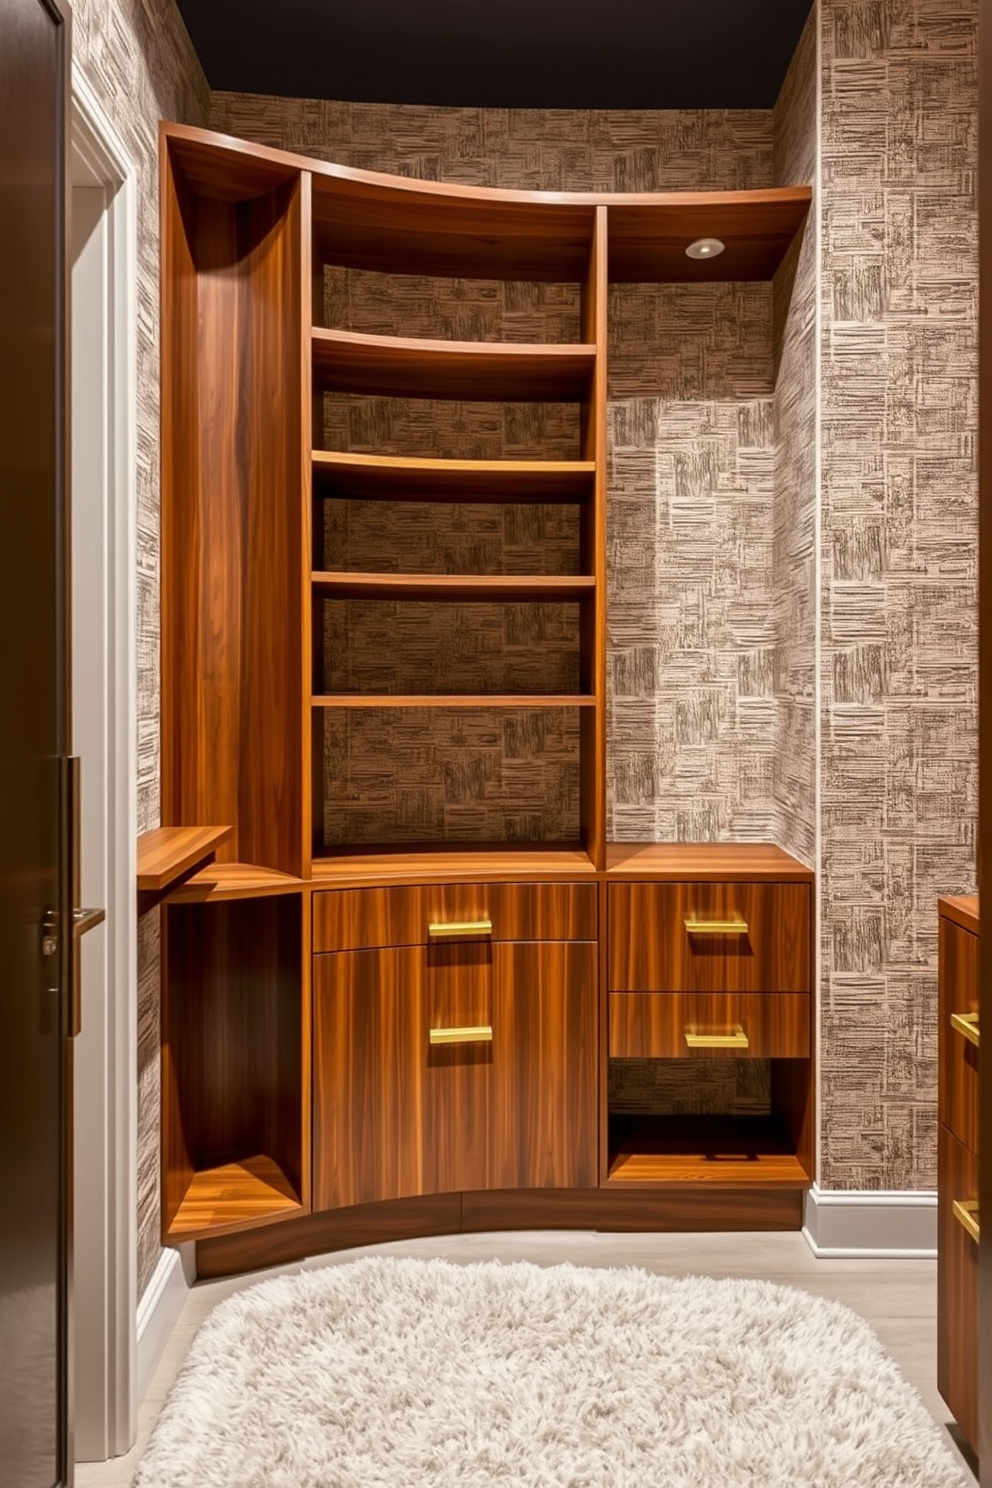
138, 60
899, 527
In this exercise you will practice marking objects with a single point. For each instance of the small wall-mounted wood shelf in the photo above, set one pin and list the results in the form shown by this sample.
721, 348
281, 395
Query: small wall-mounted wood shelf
400, 367
233, 881
390, 478
235, 1196
454, 700
169, 854
485, 587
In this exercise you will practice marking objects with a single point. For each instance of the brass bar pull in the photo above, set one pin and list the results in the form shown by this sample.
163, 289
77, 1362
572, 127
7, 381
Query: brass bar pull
438, 929
483, 1034
967, 1025
715, 927
965, 1211
736, 1040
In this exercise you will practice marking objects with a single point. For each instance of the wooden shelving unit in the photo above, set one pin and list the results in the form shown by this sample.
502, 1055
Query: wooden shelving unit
256, 719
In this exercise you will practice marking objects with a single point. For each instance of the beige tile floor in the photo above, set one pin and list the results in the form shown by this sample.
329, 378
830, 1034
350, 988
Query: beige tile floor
898, 1298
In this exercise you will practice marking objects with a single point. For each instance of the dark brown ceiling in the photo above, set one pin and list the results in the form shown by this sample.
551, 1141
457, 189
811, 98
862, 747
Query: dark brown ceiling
502, 54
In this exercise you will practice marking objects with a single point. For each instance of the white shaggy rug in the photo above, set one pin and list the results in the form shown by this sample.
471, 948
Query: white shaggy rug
387, 1373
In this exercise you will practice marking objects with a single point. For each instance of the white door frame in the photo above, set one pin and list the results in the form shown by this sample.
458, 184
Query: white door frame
105, 1166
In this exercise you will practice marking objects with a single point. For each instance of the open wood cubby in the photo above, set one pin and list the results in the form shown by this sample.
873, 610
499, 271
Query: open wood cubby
313, 460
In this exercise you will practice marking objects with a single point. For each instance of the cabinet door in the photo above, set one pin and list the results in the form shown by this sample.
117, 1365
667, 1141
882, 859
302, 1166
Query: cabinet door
396, 1114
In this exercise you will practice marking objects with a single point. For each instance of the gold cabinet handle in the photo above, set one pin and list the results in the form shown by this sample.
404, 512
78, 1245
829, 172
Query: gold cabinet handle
967, 1025
736, 1040
965, 1211
715, 927
483, 1034
438, 929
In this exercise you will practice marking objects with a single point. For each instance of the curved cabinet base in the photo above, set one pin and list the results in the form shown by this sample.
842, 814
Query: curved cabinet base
524, 1209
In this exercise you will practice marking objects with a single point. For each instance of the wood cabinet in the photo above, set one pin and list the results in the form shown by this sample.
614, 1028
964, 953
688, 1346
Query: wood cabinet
404, 728
958, 1170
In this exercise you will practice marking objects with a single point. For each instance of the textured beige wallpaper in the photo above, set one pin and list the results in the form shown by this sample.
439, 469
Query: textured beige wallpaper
138, 60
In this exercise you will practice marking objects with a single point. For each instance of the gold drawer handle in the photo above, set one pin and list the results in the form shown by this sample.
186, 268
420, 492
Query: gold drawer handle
736, 1040
483, 1034
965, 1211
438, 929
715, 927
967, 1025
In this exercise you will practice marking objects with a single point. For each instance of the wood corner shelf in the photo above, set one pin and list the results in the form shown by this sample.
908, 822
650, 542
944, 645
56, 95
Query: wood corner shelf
221, 881
167, 855
233, 1196
395, 478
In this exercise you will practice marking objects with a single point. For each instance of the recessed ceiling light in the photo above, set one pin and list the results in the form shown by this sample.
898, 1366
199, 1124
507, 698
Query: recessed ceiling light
705, 248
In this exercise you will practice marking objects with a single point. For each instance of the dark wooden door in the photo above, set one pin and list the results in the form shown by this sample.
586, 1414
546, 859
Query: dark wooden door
35, 959
396, 1115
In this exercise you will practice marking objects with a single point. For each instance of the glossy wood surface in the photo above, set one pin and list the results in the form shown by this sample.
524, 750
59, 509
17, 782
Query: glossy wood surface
454, 700
436, 864
483, 587
725, 1151
222, 881
705, 862
962, 909
404, 367
592, 644
390, 478
358, 919
231, 482
648, 240
958, 1088
235, 1196
168, 853
651, 950
395, 1116
652, 1025
233, 1045
957, 1287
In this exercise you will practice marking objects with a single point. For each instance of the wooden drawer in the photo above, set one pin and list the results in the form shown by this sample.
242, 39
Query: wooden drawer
958, 998
512, 1106
957, 1286
654, 1025
359, 919
664, 937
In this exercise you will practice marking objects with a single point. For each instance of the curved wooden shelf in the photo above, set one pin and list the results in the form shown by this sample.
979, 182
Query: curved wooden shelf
649, 234
234, 881
454, 700
426, 864
235, 1196
168, 854
404, 367
555, 587
389, 478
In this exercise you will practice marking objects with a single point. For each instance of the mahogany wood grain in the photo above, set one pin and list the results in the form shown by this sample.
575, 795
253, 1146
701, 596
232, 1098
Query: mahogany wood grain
453, 700
166, 854
793, 1100
456, 587
359, 919
616, 1208
329, 1230
652, 1025
958, 1088
648, 240
651, 950
235, 1196
231, 515
233, 1041
311, 414
397, 366
391, 478
724, 1151
220, 166
957, 1287
440, 863
962, 909
592, 632
705, 862
220, 881
395, 1116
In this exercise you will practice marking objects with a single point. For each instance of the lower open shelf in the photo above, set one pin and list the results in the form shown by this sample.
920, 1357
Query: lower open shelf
232, 1197
723, 1151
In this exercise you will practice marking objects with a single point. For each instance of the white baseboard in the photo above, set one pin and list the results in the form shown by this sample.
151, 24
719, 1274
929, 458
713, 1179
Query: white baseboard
868, 1224
158, 1312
